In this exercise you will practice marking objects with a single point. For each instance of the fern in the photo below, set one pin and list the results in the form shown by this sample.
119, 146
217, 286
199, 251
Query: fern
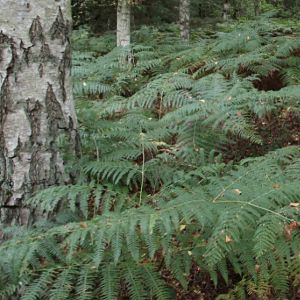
109, 283
157, 197
86, 284
39, 287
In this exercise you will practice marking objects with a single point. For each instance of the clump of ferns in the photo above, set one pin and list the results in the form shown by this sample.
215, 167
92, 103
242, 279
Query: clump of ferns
155, 194
249, 206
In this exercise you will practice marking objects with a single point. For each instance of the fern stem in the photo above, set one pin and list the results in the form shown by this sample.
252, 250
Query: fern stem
260, 207
143, 169
97, 149
228, 186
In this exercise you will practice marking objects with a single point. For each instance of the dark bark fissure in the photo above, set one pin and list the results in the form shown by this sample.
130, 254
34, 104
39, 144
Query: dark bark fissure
55, 114
59, 30
36, 31
34, 110
65, 65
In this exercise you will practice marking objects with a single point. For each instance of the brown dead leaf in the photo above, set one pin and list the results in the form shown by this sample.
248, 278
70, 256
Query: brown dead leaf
257, 268
83, 225
287, 232
276, 186
288, 228
293, 225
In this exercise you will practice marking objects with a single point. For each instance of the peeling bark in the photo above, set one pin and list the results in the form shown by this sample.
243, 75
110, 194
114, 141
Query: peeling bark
123, 23
36, 104
184, 19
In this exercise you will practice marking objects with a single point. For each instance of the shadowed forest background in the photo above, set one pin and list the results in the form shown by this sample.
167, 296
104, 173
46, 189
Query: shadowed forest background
187, 183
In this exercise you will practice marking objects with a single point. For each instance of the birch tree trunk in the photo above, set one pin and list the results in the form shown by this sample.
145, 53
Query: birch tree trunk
226, 10
36, 105
184, 19
123, 23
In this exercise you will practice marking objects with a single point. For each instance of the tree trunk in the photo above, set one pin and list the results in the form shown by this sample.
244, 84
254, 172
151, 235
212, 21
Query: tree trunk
123, 23
226, 10
36, 104
256, 7
273, 2
184, 19
288, 4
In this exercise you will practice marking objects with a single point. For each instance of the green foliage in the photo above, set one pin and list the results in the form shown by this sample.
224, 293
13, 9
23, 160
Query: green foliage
157, 196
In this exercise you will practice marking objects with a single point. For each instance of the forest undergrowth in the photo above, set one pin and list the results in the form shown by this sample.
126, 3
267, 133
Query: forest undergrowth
188, 183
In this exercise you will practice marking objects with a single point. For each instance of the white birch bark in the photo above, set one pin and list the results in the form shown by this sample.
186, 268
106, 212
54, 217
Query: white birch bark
184, 19
226, 10
36, 105
123, 23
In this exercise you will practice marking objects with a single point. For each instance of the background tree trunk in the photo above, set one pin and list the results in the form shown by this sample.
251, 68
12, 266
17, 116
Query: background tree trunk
123, 23
36, 104
226, 10
184, 19
256, 7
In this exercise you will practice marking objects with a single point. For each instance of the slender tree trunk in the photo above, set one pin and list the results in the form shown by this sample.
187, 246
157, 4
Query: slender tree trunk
279, 3
288, 4
123, 23
236, 9
273, 2
226, 9
256, 7
36, 104
184, 19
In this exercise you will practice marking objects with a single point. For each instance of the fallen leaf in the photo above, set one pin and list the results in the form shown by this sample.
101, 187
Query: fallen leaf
237, 191
182, 227
228, 239
257, 268
293, 225
83, 225
276, 186
158, 143
288, 228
